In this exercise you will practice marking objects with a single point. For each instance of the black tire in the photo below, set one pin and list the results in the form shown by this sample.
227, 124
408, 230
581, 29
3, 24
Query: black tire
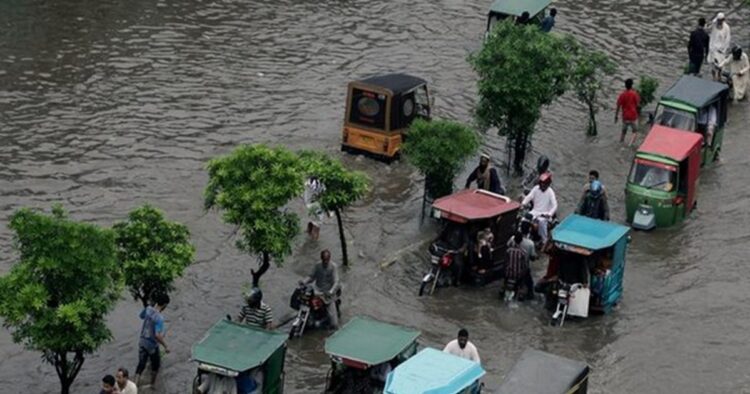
421, 288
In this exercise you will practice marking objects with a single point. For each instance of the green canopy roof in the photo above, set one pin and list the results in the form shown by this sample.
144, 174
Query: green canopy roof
237, 347
369, 341
694, 91
517, 7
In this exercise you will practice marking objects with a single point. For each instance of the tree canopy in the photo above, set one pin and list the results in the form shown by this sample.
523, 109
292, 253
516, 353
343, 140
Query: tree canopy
55, 298
520, 69
588, 71
439, 149
251, 186
152, 251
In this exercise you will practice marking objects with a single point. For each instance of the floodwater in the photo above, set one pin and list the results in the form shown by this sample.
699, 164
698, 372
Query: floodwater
105, 105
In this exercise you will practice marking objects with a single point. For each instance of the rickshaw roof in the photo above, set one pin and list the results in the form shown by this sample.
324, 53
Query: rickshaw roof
433, 372
585, 232
517, 7
369, 341
237, 347
396, 83
543, 373
694, 91
475, 204
672, 143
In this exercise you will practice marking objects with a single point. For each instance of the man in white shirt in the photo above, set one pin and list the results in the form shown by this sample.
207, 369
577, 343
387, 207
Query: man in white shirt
719, 41
544, 204
125, 385
461, 347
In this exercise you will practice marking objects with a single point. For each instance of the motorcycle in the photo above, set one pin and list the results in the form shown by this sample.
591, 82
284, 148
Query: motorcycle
564, 292
311, 309
441, 274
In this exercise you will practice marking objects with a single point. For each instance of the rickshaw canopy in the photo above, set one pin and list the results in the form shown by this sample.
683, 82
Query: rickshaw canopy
433, 372
237, 347
369, 342
696, 92
588, 233
517, 7
671, 143
396, 83
543, 373
473, 204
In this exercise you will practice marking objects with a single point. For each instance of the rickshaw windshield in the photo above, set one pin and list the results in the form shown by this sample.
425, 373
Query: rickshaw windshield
653, 175
675, 118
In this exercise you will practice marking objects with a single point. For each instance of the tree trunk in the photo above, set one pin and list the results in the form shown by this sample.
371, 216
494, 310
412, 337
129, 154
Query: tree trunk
592, 120
265, 263
342, 238
67, 372
520, 152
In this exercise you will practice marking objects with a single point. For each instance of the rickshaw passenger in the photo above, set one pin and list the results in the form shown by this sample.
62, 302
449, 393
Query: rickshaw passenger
484, 249
707, 120
212, 383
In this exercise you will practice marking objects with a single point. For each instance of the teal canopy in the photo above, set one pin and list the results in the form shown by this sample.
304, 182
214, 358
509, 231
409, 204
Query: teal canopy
517, 7
433, 372
237, 347
584, 232
370, 341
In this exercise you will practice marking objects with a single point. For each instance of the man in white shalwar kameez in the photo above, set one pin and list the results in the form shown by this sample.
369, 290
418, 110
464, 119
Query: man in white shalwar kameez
718, 43
739, 66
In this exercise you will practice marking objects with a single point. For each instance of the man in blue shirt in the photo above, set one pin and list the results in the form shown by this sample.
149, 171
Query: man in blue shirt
152, 334
549, 21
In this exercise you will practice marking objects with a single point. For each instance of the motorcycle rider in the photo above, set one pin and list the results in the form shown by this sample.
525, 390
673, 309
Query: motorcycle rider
486, 176
326, 277
255, 312
594, 202
544, 204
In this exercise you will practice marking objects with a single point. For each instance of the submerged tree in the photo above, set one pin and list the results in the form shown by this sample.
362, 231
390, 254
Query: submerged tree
251, 186
647, 90
153, 252
521, 69
55, 298
342, 188
439, 149
588, 71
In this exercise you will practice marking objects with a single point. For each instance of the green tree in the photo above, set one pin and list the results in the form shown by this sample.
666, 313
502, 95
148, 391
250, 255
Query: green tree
647, 90
251, 186
343, 187
439, 149
152, 251
588, 71
55, 298
520, 69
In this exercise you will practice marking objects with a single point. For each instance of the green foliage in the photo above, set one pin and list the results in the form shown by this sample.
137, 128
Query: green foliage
588, 71
439, 149
521, 69
153, 252
343, 187
55, 298
251, 186
647, 90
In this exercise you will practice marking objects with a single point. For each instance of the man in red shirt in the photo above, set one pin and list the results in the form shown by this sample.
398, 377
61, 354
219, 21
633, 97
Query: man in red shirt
628, 102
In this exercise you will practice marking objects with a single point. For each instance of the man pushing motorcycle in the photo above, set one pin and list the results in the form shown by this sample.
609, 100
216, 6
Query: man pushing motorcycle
325, 276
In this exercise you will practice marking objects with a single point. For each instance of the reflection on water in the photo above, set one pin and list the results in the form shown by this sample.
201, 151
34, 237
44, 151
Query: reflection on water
105, 105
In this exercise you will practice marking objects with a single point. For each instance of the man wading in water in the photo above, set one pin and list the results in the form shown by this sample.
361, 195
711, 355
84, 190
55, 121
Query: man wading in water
152, 334
486, 176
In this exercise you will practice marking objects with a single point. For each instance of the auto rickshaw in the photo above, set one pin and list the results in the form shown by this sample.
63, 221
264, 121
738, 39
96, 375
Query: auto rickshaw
471, 218
363, 352
661, 187
379, 111
234, 356
586, 267
434, 372
692, 104
503, 9
539, 372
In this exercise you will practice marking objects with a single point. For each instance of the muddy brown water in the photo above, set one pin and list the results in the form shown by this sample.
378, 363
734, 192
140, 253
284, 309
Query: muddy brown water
106, 105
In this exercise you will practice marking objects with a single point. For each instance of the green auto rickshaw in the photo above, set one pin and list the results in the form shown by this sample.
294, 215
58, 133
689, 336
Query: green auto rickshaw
661, 187
234, 357
698, 105
512, 9
363, 352
539, 372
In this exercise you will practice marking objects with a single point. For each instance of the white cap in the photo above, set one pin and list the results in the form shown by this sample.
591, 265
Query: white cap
720, 16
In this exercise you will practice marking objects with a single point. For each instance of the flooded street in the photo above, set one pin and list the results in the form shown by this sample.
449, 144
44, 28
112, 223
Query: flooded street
106, 105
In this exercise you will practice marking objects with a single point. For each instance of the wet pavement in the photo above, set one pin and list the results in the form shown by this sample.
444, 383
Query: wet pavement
106, 105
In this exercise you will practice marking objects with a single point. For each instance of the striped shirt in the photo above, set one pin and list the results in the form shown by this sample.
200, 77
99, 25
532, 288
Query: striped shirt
261, 317
516, 263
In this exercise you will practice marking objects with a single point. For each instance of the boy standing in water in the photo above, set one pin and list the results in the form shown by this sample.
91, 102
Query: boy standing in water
628, 102
152, 334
